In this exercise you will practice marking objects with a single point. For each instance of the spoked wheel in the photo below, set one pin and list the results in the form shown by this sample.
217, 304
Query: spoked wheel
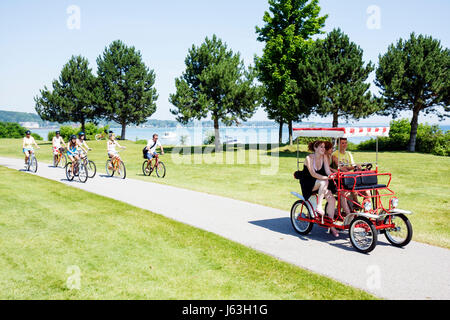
33, 166
98, 137
91, 168
161, 170
363, 235
401, 234
146, 170
121, 171
69, 172
109, 169
82, 172
300, 210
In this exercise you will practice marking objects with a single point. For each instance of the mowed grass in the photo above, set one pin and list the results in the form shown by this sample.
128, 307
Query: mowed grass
122, 252
421, 181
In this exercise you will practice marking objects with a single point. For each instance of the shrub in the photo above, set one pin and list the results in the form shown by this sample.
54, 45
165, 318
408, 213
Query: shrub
430, 139
90, 131
14, 130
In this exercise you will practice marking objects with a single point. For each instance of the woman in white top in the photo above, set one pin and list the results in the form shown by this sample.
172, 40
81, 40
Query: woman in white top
57, 143
111, 145
27, 145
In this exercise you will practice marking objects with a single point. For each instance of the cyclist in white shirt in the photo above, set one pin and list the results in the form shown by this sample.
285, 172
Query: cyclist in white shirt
152, 144
111, 147
57, 143
27, 145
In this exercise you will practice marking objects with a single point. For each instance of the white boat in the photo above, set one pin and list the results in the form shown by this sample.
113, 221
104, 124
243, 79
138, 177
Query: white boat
169, 135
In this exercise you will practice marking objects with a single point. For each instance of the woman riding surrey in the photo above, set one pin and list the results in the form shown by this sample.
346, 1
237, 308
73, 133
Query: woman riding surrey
315, 177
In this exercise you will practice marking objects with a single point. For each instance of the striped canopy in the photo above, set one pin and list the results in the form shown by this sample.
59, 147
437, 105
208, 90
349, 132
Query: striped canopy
342, 132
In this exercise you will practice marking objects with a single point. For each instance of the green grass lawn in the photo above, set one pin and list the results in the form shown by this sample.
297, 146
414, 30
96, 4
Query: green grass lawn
123, 252
421, 181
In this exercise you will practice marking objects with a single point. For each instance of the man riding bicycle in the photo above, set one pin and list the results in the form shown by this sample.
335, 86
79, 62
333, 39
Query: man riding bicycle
152, 144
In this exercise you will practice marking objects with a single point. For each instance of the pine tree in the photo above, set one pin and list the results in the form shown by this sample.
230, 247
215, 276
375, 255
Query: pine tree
74, 97
336, 77
287, 33
126, 84
414, 75
215, 83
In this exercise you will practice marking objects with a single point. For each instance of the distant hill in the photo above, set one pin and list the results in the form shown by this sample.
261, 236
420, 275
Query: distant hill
12, 116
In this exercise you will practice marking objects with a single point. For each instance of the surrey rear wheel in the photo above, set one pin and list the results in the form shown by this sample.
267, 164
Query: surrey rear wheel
401, 234
363, 234
300, 210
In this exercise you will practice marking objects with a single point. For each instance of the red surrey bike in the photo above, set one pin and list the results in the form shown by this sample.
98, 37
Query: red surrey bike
377, 214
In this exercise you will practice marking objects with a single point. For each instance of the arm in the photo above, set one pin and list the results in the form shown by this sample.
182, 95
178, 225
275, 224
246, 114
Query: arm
162, 150
327, 166
34, 141
23, 143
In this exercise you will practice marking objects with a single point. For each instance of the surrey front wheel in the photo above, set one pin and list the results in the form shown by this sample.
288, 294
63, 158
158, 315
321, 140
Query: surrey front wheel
363, 235
401, 234
300, 211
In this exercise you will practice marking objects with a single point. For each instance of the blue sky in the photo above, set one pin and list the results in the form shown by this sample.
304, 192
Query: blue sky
35, 40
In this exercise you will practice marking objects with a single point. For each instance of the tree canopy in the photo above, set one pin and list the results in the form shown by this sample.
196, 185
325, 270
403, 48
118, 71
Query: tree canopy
414, 75
217, 84
289, 26
336, 77
126, 85
74, 96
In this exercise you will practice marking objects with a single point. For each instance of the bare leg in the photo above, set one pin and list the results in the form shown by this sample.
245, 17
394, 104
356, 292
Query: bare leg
330, 210
322, 186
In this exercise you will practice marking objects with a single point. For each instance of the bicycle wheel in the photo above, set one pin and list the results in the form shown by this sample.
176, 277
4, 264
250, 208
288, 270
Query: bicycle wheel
98, 137
109, 169
363, 235
91, 168
82, 172
146, 169
69, 173
300, 210
161, 170
121, 171
401, 234
33, 164
56, 160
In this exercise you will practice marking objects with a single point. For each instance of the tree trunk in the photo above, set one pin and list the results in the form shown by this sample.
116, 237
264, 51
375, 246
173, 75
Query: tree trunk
217, 135
83, 126
280, 132
413, 135
122, 135
291, 142
335, 120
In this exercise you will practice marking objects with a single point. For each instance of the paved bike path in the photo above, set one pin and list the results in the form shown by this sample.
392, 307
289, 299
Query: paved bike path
418, 271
